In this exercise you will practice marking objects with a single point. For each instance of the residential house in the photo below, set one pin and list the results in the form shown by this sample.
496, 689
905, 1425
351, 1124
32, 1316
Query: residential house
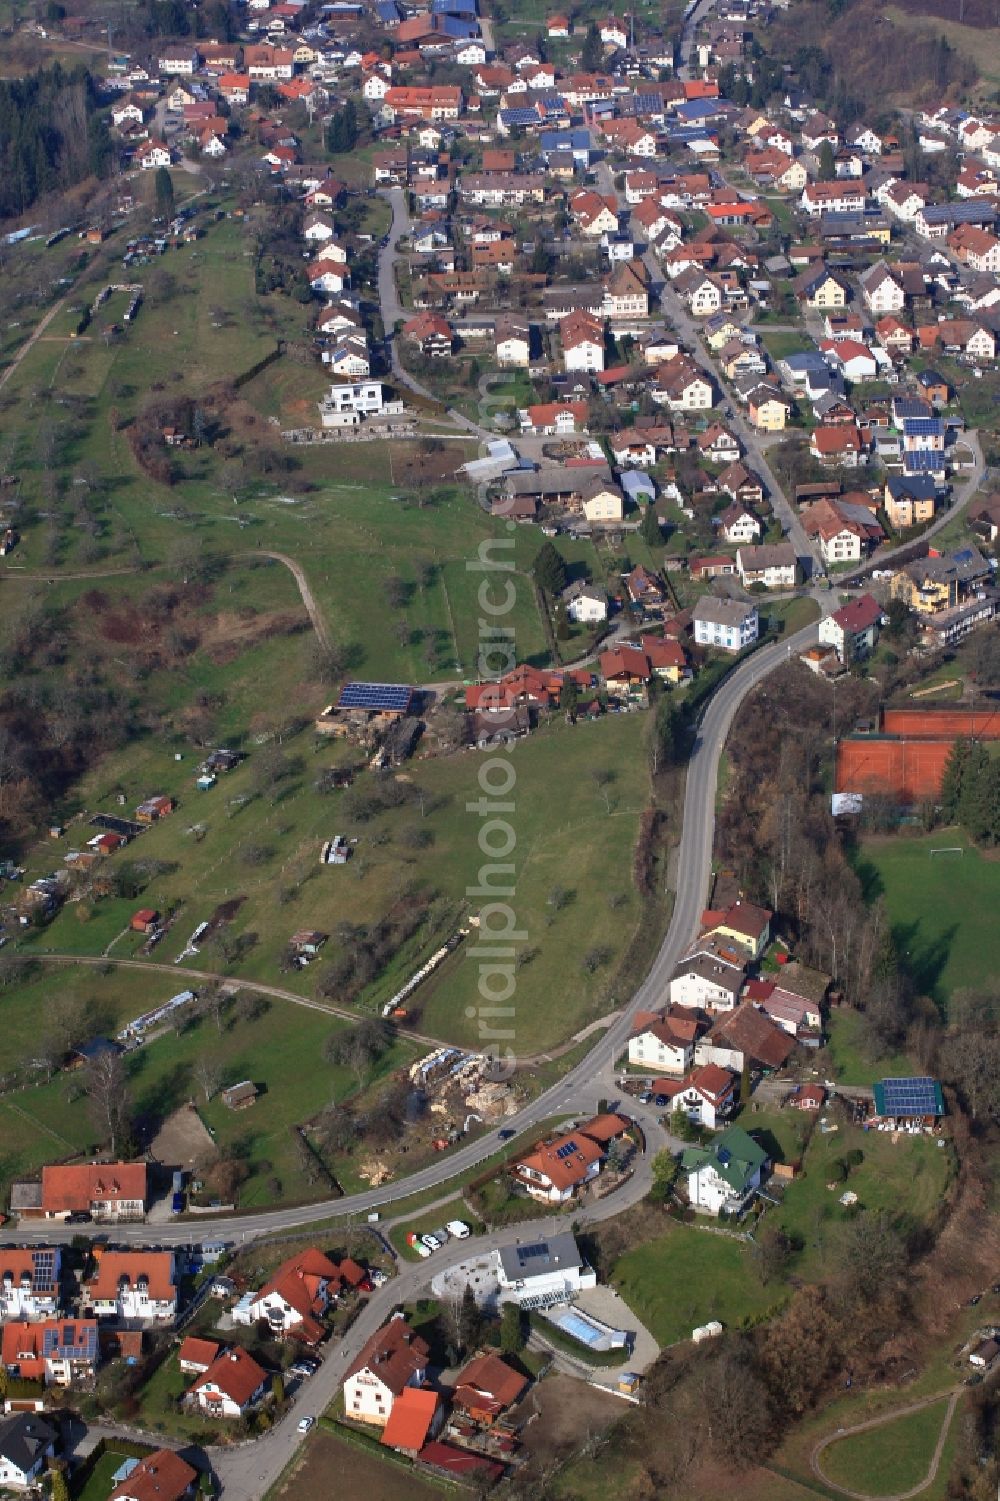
393, 1359
585, 604
431, 333
557, 1169
774, 565
161, 1476
710, 978
707, 1096
645, 590
818, 287
746, 1037
910, 500
768, 409
151, 155
663, 1043
845, 530
196, 1355
300, 1291
724, 1177
838, 444
852, 630
939, 583
134, 1286
739, 525
513, 342
666, 658
27, 1442
232, 1385
881, 290
542, 1272
104, 1190
54, 1351
741, 923
29, 1282
485, 1388
725, 624
582, 338
554, 418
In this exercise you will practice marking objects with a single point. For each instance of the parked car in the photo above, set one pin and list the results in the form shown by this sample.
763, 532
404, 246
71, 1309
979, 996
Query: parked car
661, 1100
431, 1243
506, 1134
459, 1229
645, 1097
440, 1234
79, 1217
415, 1242
304, 1424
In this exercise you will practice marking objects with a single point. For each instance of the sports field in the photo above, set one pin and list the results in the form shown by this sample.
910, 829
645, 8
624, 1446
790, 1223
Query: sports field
942, 906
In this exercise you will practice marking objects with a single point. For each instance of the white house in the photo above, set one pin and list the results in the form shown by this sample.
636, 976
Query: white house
152, 154
727, 624
26, 1443
772, 564
706, 1096
345, 406
393, 1359
538, 1273
853, 629
513, 343
723, 1177
585, 604
300, 1291
707, 980
29, 1283
665, 1044
233, 1383
135, 1287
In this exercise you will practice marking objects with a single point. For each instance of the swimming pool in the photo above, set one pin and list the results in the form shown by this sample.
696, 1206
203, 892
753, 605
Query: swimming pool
589, 1331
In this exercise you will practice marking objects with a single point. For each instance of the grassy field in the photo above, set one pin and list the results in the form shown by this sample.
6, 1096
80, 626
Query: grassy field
569, 846
850, 1057
906, 1178
280, 1050
890, 1459
780, 345
941, 908
687, 1277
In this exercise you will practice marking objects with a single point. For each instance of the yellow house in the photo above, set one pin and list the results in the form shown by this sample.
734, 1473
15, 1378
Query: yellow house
743, 925
827, 293
769, 415
303, 54
904, 509
794, 177
721, 333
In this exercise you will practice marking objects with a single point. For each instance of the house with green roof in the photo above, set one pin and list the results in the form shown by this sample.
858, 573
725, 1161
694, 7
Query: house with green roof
725, 1175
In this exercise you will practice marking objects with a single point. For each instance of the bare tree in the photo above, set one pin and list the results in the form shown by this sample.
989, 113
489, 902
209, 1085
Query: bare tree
107, 1093
208, 1077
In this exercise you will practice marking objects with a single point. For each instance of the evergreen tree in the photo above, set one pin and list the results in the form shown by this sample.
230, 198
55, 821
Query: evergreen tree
511, 1330
952, 778
163, 193
549, 570
470, 1320
649, 531
592, 55
827, 167
568, 695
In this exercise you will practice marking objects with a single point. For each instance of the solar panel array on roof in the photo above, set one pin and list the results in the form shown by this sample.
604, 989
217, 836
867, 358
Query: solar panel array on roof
392, 697
531, 1253
909, 1097
567, 1149
519, 116
924, 460
919, 427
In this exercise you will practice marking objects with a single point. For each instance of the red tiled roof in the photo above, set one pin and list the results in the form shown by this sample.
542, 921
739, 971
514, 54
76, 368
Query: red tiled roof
394, 1352
155, 1266
487, 1383
65, 1189
411, 1418
161, 1476
236, 1374
196, 1351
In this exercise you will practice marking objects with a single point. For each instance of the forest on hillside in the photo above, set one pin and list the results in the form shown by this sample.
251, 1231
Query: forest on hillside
51, 136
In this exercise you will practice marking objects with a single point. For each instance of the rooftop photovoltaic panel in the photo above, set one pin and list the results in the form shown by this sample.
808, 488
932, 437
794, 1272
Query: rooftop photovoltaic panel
904, 1097
530, 1253
927, 460
920, 426
394, 697
567, 1149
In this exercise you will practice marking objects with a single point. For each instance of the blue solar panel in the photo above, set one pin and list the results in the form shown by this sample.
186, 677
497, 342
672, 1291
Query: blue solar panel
923, 426
530, 1253
567, 1149
925, 461
394, 697
911, 1097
